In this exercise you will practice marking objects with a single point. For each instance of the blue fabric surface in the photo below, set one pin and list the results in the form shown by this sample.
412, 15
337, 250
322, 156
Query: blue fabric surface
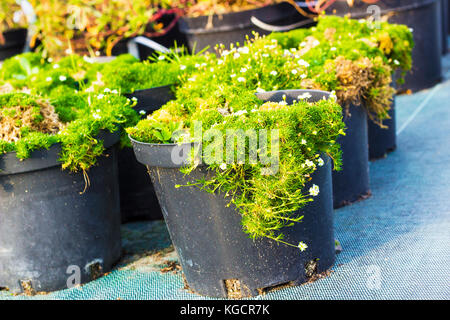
395, 244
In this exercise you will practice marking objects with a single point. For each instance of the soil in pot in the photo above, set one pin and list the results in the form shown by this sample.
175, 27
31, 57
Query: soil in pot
14, 43
208, 31
352, 183
52, 234
423, 17
138, 200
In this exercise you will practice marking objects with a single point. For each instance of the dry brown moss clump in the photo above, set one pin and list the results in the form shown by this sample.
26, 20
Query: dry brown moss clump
37, 116
367, 80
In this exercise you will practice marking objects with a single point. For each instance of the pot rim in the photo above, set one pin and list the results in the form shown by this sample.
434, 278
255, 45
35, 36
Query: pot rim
45, 158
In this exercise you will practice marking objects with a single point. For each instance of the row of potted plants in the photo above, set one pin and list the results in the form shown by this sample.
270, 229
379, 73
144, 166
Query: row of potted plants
262, 220
221, 97
200, 24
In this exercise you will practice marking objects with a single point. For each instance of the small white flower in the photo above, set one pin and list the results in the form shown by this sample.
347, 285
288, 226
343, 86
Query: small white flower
309, 163
107, 90
211, 69
243, 70
239, 113
303, 141
283, 103
48, 79
303, 76
274, 40
55, 66
115, 91
294, 71
265, 55
315, 43
62, 78
100, 96
333, 95
134, 99
396, 62
274, 73
160, 58
191, 79
219, 62
142, 112
333, 49
305, 95
223, 166
96, 116
236, 55
68, 51
302, 246
314, 190
314, 132
50, 60
320, 162
241, 79
182, 67
197, 65
244, 50
232, 75
303, 63
303, 44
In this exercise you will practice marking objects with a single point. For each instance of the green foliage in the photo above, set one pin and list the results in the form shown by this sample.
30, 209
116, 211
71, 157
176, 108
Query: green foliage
267, 203
87, 27
130, 77
341, 55
85, 116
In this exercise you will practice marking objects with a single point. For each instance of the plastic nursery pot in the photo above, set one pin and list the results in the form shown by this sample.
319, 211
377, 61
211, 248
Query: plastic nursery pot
424, 18
138, 200
216, 255
382, 140
14, 43
352, 182
445, 25
50, 233
204, 31
214, 251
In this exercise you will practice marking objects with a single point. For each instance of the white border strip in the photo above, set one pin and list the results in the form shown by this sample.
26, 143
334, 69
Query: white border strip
420, 108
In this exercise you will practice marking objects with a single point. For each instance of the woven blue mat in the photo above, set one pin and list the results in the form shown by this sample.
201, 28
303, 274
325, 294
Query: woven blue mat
396, 244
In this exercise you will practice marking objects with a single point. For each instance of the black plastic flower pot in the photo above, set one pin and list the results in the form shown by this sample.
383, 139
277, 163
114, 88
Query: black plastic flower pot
424, 17
352, 182
445, 26
211, 245
51, 234
14, 43
152, 99
138, 200
207, 234
382, 140
206, 31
